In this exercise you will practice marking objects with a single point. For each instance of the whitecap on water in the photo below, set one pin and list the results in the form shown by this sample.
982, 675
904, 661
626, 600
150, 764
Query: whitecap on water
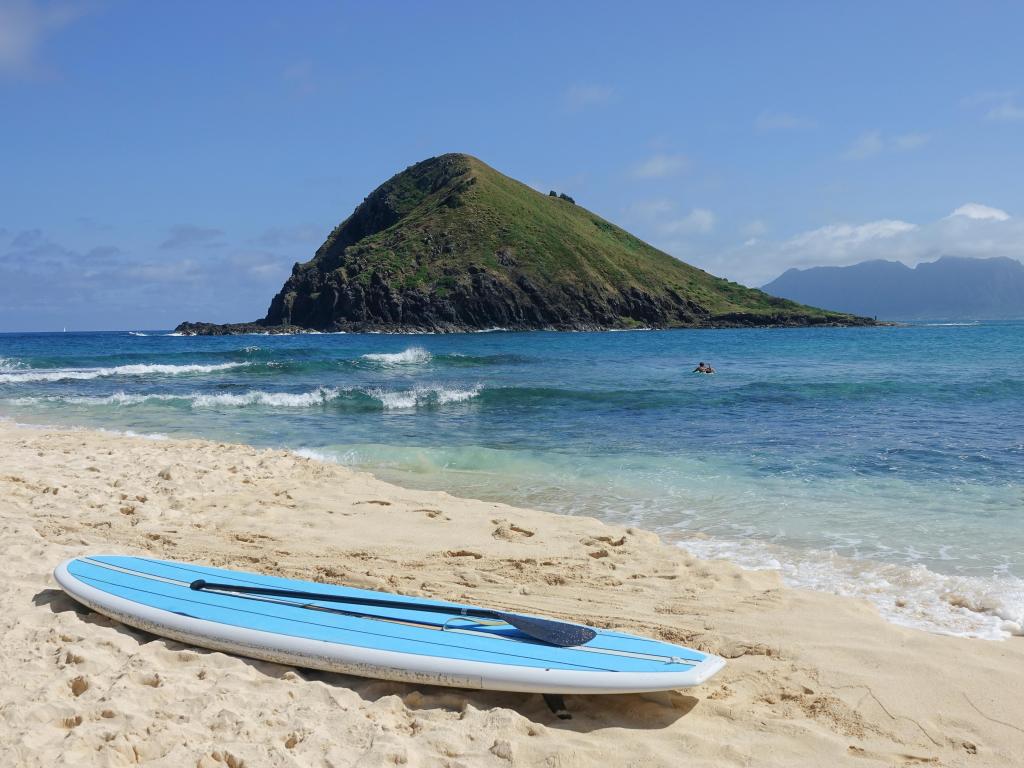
390, 400
410, 356
24, 376
422, 396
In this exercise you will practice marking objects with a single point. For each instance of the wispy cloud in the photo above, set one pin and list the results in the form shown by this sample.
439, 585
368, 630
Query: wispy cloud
980, 212
909, 141
836, 239
661, 165
972, 230
667, 223
699, 221
755, 228
579, 97
782, 121
865, 145
190, 236
873, 143
1001, 106
1007, 111
24, 26
276, 237
106, 286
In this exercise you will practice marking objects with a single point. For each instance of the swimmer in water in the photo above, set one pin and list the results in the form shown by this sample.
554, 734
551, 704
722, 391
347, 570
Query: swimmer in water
703, 368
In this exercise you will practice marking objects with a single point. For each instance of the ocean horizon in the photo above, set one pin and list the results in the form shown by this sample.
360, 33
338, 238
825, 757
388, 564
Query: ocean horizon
882, 463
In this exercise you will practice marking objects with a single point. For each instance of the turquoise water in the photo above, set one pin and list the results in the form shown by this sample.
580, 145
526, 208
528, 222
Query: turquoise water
886, 463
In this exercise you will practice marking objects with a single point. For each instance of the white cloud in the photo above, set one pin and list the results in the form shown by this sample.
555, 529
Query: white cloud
910, 141
103, 286
972, 230
579, 97
782, 121
1001, 106
23, 26
980, 212
865, 145
1007, 111
660, 166
674, 231
699, 221
755, 228
838, 239
874, 142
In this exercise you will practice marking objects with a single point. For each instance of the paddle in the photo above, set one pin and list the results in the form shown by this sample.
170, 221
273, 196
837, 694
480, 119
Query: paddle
553, 632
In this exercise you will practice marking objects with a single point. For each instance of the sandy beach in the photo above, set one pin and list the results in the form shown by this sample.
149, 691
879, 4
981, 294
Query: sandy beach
812, 680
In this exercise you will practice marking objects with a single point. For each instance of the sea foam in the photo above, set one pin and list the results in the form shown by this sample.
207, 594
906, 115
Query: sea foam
410, 356
318, 396
910, 595
24, 376
419, 397
423, 396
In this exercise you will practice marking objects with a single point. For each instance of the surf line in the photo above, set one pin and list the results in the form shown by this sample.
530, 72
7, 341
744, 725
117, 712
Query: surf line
422, 625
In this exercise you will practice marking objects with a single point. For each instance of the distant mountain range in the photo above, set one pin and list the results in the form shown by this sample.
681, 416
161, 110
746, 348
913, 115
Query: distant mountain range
951, 288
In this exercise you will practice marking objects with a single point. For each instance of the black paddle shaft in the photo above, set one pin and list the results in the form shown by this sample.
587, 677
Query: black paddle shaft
558, 633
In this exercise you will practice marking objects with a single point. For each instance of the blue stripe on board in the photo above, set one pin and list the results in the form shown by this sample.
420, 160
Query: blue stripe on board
606, 640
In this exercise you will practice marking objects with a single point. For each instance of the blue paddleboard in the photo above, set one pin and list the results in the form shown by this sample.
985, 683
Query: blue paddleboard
329, 627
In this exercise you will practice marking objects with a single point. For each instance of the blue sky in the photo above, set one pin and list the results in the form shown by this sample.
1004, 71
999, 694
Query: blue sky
163, 162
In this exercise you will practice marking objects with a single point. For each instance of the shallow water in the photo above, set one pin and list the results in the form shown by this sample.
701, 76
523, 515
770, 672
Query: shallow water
886, 463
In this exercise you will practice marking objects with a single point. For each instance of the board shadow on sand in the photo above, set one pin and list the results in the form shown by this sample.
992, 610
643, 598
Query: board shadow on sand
647, 711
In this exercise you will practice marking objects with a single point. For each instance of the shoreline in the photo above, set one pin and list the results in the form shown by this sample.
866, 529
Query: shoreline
813, 678
907, 595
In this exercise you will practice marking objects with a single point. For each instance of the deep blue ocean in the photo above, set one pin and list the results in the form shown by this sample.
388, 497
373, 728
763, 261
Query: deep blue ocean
886, 462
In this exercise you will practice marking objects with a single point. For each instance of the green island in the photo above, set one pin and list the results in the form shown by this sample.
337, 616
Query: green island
450, 245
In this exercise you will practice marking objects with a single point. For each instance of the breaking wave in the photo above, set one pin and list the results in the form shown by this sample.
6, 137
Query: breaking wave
24, 376
410, 356
421, 396
360, 399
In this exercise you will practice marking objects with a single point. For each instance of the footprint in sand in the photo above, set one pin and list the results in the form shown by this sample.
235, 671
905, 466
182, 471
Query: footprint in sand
463, 553
510, 531
78, 686
434, 514
153, 680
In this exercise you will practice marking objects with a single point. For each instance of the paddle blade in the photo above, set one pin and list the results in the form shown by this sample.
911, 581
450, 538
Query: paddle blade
554, 632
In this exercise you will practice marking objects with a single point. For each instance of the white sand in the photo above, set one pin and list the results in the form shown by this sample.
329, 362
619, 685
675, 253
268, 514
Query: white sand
813, 680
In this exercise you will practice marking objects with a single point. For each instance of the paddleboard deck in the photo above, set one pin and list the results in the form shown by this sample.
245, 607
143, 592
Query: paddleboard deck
391, 643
